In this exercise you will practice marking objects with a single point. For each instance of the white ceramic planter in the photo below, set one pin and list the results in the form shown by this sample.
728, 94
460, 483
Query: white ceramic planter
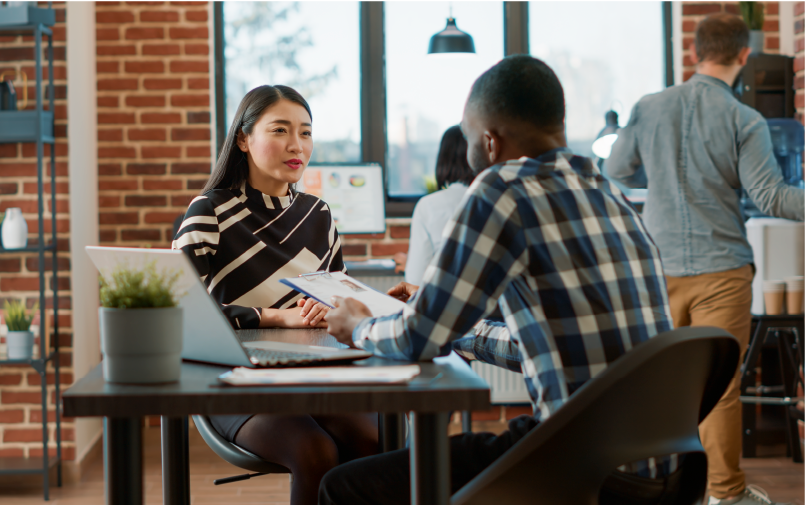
20, 344
14, 230
141, 346
756, 39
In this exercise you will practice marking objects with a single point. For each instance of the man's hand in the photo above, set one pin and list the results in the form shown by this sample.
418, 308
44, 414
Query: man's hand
343, 319
403, 291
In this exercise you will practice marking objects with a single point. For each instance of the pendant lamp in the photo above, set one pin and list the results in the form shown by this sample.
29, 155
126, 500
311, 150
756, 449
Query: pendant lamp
451, 40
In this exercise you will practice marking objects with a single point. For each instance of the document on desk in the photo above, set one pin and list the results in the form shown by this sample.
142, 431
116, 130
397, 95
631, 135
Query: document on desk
334, 376
323, 286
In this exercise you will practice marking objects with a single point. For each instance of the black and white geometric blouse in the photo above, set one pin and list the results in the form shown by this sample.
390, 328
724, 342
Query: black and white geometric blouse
242, 242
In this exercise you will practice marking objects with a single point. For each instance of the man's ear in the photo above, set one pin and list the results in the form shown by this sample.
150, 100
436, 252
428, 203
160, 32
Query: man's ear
492, 147
744, 55
241, 141
693, 56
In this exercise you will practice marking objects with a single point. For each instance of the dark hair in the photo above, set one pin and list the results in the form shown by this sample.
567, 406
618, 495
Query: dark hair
451, 163
720, 38
520, 87
231, 168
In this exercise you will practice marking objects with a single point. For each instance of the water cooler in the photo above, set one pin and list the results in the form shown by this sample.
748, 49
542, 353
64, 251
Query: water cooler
778, 244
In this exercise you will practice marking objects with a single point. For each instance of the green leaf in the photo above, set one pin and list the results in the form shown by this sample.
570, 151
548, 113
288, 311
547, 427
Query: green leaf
127, 288
17, 319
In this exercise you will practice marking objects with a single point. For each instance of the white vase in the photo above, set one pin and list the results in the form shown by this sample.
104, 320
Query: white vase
756, 39
14, 230
141, 346
20, 344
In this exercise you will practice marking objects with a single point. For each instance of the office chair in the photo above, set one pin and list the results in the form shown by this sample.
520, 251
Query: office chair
235, 455
647, 403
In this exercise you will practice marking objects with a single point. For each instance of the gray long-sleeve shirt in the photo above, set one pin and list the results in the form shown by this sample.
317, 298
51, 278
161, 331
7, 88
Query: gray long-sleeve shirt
694, 146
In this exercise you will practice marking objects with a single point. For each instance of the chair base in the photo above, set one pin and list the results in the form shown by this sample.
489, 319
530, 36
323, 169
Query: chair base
236, 478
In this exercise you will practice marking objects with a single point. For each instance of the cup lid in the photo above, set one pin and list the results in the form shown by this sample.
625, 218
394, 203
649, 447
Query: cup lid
796, 282
774, 285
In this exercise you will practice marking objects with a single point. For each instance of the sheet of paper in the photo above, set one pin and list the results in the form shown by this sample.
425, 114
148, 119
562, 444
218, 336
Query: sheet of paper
324, 285
321, 375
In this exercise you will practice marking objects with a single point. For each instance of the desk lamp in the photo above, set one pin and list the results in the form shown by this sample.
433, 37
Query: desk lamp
602, 147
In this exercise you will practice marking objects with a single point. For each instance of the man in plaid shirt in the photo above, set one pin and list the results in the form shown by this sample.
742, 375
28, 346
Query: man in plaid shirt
541, 233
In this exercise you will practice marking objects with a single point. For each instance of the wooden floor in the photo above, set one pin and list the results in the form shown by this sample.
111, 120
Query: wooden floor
782, 478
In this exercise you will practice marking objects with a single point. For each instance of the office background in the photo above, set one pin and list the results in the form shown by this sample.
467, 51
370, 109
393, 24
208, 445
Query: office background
152, 128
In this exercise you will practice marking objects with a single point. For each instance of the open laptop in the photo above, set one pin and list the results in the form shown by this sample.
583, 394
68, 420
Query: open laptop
207, 335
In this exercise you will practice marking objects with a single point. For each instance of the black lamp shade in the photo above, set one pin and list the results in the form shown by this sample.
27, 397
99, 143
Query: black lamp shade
451, 40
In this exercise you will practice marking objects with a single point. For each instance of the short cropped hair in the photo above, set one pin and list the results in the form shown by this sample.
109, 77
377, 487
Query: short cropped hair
520, 87
451, 163
720, 37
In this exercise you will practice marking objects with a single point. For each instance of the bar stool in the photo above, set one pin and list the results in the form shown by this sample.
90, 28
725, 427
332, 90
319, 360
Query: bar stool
787, 330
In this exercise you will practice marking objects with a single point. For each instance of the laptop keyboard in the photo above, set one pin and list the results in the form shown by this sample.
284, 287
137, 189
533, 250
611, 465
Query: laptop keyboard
265, 357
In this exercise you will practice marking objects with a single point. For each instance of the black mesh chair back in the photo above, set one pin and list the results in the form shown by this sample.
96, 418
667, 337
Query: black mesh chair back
233, 454
648, 403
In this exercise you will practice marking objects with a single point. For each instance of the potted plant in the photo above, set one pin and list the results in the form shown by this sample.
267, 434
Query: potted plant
20, 338
141, 326
753, 14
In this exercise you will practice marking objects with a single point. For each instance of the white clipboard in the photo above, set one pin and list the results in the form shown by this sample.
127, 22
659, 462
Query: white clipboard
322, 286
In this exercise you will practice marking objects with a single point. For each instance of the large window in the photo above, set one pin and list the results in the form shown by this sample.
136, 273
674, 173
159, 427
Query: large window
607, 58
425, 94
312, 47
377, 96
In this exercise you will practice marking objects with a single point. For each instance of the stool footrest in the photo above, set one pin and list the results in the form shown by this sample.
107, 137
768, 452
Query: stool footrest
765, 400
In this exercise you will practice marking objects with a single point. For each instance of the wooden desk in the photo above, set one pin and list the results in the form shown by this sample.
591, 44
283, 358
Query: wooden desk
443, 386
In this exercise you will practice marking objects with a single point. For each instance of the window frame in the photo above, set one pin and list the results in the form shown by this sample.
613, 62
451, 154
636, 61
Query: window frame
373, 114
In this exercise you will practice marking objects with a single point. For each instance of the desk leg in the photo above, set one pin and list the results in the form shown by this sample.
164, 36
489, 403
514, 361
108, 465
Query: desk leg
392, 432
175, 461
430, 459
123, 460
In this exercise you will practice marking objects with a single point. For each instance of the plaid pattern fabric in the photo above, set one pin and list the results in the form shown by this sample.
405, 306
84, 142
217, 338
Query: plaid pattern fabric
578, 280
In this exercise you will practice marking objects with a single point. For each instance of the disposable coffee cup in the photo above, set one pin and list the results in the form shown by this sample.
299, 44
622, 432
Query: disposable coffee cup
793, 294
774, 296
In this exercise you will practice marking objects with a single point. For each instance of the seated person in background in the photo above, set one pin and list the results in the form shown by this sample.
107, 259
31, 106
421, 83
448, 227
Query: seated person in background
578, 278
248, 229
453, 175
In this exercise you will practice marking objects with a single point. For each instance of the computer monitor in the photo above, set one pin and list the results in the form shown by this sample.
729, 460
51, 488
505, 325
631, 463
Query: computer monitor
354, 193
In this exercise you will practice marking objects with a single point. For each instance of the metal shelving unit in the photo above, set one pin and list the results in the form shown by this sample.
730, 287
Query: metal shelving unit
37, 126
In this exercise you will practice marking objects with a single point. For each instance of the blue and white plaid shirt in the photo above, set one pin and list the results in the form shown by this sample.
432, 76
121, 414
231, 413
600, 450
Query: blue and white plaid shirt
578, 279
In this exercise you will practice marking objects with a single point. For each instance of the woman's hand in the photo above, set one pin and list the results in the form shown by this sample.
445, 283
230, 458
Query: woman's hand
403, 291
312, 312
294, 318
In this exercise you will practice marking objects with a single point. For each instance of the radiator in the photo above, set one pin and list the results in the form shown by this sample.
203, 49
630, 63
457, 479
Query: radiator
506, 386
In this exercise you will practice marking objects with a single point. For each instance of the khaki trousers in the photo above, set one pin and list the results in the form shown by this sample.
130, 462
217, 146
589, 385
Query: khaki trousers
723, 300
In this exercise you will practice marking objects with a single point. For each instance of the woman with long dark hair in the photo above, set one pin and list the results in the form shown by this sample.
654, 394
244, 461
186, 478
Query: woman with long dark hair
248, 229
453, 176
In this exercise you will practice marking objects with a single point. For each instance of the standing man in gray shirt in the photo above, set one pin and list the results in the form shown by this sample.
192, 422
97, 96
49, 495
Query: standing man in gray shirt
694, 146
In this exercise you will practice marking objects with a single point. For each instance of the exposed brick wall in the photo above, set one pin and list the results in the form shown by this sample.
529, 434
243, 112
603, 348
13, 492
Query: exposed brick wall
20, 401
379, 245
153, 116
799, 61
693, 12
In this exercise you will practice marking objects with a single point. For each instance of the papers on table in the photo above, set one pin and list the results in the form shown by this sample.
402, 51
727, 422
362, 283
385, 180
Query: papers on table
320, 376
322, 286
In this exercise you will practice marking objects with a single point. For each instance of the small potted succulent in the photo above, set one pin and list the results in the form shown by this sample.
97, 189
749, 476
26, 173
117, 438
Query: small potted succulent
20, 338
753, 15
141, 326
